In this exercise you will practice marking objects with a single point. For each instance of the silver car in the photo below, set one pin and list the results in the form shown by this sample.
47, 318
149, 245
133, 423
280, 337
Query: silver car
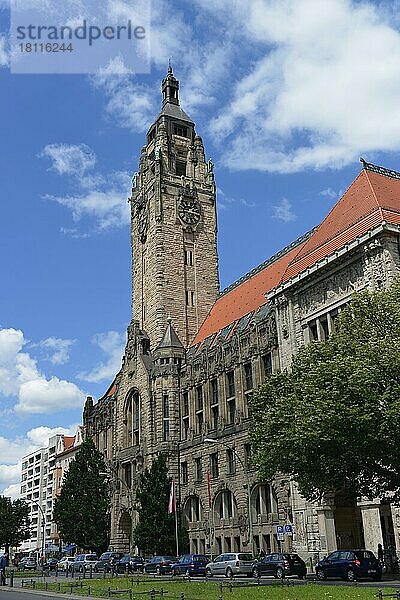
230, 564
83, 562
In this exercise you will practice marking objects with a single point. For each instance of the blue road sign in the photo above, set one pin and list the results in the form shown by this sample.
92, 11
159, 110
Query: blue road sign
279, 529
288, 529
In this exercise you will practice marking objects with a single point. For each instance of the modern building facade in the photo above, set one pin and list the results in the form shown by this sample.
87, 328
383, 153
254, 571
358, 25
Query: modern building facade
195, 354
41, 481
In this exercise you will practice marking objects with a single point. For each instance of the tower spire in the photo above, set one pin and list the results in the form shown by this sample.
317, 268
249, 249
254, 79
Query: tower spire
170, 87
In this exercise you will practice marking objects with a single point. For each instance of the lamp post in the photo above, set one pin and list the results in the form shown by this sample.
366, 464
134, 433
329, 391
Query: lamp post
246, 474
43, 524
114, 472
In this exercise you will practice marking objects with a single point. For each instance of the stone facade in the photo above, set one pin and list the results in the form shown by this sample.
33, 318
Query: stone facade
176, 391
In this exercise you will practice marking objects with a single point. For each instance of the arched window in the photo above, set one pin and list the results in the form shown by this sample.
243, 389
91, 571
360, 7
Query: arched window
225, 505
132, 419
263, 500
192, 509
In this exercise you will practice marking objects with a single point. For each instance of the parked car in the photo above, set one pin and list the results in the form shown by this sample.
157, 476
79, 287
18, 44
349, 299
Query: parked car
27, 563
65, 563
280, 565
191, 564
349, 565
130, 564
50, 564
160, 565
83, 562
230, 564
106, 561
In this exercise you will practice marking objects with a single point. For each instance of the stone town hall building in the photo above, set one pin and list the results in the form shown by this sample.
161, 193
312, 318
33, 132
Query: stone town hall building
194, 354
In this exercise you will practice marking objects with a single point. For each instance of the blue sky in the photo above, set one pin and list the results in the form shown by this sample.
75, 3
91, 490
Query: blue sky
286, 95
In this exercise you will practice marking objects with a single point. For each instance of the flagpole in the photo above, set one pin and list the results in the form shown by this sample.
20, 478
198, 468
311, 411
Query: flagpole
176, 532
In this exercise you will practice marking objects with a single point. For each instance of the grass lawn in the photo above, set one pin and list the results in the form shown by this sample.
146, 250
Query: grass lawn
185, 590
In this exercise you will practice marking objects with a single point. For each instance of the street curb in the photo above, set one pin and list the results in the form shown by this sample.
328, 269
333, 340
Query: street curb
44, 593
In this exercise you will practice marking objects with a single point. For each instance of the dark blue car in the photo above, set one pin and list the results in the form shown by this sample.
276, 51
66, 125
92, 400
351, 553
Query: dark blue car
349, 565
191, 564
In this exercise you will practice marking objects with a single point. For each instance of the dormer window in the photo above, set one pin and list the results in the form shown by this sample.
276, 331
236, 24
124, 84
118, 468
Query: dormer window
181, 130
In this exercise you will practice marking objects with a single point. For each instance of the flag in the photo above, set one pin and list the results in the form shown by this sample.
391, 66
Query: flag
172, 499
209, 489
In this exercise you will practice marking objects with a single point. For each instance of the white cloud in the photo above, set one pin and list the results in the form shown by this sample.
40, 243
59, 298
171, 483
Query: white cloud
109, 209
329, 193
42, 395
70, 159
12, 451
112, 344
12, 491
131, 105
283, 211
101, 198
224, 201
59, 347
19, 376
202, 66
325, 90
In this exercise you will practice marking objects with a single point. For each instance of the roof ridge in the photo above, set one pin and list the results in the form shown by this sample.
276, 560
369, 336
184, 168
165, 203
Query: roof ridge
380, 170
373, 192
267, 262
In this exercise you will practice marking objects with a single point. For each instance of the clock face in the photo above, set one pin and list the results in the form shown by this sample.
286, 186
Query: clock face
189, 211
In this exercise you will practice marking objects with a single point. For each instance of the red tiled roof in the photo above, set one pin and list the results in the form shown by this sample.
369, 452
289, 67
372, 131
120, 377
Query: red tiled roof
372, 198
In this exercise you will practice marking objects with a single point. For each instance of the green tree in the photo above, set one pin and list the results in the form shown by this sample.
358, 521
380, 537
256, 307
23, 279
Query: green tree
82, 509
14, 523
333, 422
155, 531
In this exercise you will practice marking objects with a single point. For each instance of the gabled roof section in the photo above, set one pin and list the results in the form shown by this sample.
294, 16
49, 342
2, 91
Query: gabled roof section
372, 200
170, 339
68, 441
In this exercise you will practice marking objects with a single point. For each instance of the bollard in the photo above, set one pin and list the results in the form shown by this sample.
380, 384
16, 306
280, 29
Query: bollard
84, 572
12, 578
91, 572
182, 596
152, 593
130, 594
89, 590
46, 585
220, 590
109, 592
397, 594
59, 586
72, 586
56, 572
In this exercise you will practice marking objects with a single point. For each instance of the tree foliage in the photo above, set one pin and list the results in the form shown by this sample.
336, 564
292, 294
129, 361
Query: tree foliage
155, 531
333, 422
14, 522
82, 509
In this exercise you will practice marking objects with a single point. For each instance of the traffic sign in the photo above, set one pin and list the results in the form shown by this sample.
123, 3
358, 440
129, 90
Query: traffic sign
279, 530
288, 529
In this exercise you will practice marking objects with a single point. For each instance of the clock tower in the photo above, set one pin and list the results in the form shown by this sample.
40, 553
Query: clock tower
173, 226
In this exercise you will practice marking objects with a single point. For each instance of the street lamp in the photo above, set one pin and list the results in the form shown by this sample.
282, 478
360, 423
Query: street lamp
114, 472
43, 524
246, 474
